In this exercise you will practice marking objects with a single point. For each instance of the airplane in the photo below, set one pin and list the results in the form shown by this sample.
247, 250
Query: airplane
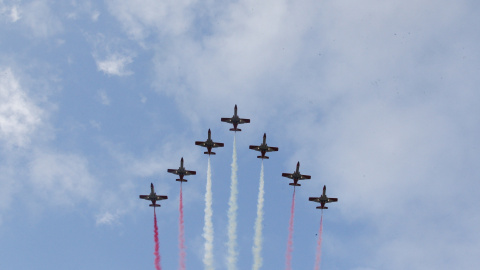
181, 172
209, 144
235, 120
322, 199
263, 148
296, 175
153, 197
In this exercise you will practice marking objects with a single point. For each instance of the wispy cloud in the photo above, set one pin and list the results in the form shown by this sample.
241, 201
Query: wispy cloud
38, 16
103, 97
111, 56
62, 179
167, 17
106, 218
115, 64
12, 13
19, 116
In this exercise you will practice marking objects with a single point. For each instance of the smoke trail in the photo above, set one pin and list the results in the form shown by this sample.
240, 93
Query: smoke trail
257, 240
181, 236
290, 235
319, 244
232, 213
157, 253
208, 226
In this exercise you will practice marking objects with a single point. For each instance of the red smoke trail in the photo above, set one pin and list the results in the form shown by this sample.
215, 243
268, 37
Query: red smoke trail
157, 253
319, 244
181, 236
290, 235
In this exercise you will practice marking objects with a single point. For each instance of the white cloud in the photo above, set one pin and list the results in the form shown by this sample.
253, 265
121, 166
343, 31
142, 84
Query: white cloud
104, 99
139, 18
19, 116
111, 55
106, 218
11, 12
143, 98
37, 15
14, 14
62, 179
115, 64
95, 15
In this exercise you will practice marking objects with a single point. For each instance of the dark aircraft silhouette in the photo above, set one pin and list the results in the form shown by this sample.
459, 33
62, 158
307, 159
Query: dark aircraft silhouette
235, 120
209, 144
296, 175
322, 199
153, 197
263, 148
181, 172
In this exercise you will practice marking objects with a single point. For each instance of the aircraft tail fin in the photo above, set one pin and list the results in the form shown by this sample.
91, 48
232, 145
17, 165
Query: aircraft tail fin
235, 129
293, 184
182, 180
154, 205
264, 157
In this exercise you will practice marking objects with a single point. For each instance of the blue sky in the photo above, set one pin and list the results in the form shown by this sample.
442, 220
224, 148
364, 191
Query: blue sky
378, 100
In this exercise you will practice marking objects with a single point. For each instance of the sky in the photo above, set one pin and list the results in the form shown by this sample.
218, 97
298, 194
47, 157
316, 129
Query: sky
378, 100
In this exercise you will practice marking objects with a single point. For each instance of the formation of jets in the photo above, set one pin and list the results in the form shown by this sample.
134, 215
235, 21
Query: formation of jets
262, 148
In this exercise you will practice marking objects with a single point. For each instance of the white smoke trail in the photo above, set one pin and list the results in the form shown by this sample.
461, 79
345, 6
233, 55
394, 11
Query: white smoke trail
232, 214
208, 226
257, 240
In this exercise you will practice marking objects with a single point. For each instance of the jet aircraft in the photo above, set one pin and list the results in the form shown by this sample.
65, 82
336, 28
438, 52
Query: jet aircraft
235, 120
153, 197
263, 148
296, 175
209, 144
322, 199
181, 172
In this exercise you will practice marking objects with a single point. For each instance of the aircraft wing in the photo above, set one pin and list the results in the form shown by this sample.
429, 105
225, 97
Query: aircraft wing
332, 200
228, 120
145, 197
288, 175
314, 199
243, 121
161, 197
200, 143
172, 171
303, 177
254, 147
272, 149
217, 144
190, 172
